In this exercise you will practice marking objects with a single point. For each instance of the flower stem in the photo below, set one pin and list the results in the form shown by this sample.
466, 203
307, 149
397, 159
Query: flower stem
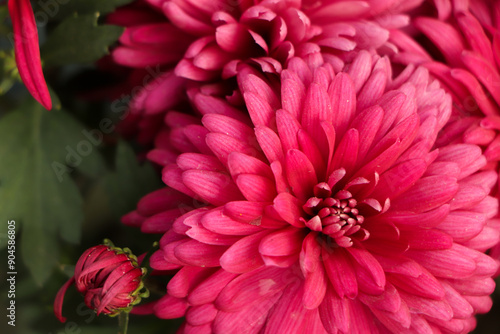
123, 323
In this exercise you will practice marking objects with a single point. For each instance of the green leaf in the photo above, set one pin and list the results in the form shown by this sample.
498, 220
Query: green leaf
9, 74
88, 7
129, 182
35, 185
79, 39
4, 14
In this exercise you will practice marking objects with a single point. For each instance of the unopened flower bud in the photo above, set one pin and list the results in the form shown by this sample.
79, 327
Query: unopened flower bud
109, 278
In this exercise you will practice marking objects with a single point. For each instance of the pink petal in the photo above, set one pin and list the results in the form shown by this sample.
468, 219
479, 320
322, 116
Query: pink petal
27, 52
396, 322
475, 35
256, 188
213, 105
346, 153
251, 82
288, 316
311, 150
169, 307
468, 157
343, 97
161, 222
211, 58
172, 177
216, 221
288, 207
185, 279
360, 69
425, 285
245, 211
227, 125
284, 242
249, 320
185, 21
481, 304
239, 163
186, 69
288, 127
445, 263
159, 200
463, 225
222, 145
300, 174
427, 194
434, 308
399, 178
198, 232
459, 305
270, 143
196, 253
144, 57
334, 313
243, 256
315, 283
341, 10
260, 111
389, 300
234, 38
428, 239
444, 36
199, 315
214, 187
341, 273
316, 108
367, 123
295, 94
158, 262
371, 276
473, 287
197, 161
58, 301
372, 90
247, 288
208, 290
427, 219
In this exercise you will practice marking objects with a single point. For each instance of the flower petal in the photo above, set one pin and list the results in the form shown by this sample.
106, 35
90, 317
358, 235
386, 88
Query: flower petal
27, 51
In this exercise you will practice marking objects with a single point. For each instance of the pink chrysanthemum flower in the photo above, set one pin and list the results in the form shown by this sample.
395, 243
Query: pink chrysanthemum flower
467, 62
466, 59
327, 210
206, 40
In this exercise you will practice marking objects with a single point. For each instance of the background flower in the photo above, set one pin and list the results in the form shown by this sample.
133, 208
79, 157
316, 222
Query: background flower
461, 49
205, 42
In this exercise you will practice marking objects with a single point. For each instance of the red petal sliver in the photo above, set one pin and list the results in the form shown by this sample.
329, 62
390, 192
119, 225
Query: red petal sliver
58, 303
27, 51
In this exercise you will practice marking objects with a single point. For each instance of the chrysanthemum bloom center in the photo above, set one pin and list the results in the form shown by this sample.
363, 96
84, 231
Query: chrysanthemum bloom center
334, 214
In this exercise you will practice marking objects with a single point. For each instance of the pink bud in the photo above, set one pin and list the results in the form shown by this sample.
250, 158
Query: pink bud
109, 278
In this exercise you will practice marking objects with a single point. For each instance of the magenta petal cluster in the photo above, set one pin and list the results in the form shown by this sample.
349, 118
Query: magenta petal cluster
27, 51
324, 207
467, 62
205, 41
109, 278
